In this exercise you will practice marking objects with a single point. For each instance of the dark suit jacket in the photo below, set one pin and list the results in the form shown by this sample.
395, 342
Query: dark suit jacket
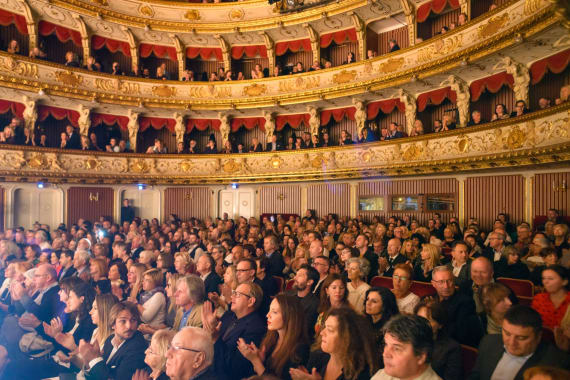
276, 264
396, 135
491, 351
124, 363
49, 307
464, 325
257, 148
229, 360
268, 147
464, 274
74, 141
68, 273
400, 259
212, 283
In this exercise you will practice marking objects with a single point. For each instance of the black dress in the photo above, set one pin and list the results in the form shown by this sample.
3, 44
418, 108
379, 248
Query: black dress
320, 359
296, 360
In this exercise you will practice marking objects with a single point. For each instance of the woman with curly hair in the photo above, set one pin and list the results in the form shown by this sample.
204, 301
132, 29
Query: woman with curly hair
379, 306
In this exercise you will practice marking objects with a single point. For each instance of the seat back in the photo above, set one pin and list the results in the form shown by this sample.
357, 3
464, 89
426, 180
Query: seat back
548, 335
290, 284
280, 282
422, 289
468, 358
521, 288
382, 281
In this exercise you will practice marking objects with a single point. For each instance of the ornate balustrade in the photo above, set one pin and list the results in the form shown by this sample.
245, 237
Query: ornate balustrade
540, 138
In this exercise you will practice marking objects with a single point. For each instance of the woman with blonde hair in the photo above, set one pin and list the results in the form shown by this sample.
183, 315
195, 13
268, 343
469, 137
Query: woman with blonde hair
496, 302
135, 279
409, 250
183, 263
430, 258
155, 354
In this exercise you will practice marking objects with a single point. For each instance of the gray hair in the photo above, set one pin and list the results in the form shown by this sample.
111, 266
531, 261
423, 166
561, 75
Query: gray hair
201, 341
220, 248
442, 268
83, 255
196, 289
363, 265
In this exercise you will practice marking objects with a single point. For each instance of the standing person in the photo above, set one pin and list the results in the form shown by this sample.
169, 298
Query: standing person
127, 211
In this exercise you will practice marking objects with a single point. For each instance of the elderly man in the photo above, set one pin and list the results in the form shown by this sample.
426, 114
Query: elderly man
81, 264
508, 355
191, 355
206, 268
276, 262
408, 349
241, 322
189, 296
387, 264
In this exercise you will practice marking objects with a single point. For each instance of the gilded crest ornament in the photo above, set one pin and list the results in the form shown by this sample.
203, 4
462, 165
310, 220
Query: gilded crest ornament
164, 91
255, 90
140, 166
463, 143
92, 163
516, 138
146, 11
236, 14
366, 156
68, 78
231, 166
318, 161
344, 76
493, 25
186, 166
391, 65
192, 15
275, 162
413, 152
38, 161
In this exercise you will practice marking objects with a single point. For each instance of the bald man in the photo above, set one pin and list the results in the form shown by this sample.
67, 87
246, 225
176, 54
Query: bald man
191, 355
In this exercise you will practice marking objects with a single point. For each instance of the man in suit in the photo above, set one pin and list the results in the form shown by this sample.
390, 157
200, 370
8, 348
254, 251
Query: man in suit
205, 267
267, 284
508, 355
393, 132
322, 266
127, 211
460, 264
276, 262
123, 351
73, 139
387, 264
66, 262
366, 252
241, 323
273, 145
191, 355
81, 264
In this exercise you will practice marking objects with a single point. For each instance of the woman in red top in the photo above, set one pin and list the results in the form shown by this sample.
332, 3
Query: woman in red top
552, 304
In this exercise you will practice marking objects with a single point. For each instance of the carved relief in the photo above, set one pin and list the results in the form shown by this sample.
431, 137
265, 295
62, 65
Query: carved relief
255, 90
344, 76
236, 14
19, 68
275, 162
164, 91
37, 161
186, 166
210, 91
68, 78
493, 25
139, 166
92, 163
441, 47
391, 65
146, 11
192, 15
301, 83
84, 120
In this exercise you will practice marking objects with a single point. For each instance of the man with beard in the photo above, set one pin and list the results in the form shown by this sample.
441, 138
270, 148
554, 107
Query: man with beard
305, 282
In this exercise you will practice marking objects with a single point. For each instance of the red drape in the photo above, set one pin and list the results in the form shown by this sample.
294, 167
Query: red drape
202, 124
492, 83
17, 109
249, 51
338, 37
555, 63
248, 123
386, 106
435, 97
159, 51
98, 42
58, 114
337, 114
98, 118
294, 121
435, 6
156, 123
7, 18
294, 46
205, 53
63, 34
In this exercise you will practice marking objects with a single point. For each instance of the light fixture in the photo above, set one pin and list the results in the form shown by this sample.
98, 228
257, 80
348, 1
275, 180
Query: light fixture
235, 186
146, 28
40, 185
141, 186
41, 92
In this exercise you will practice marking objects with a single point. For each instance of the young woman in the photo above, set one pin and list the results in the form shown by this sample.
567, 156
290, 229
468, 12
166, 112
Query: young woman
334, 295
380, 305
98, 270
430, 259
500, 112
135, 278
118, 277
257, 72
285, 345
553, 303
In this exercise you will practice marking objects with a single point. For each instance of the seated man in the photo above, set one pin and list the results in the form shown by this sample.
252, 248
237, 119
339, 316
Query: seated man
508, 355
475, 119
191, 355
123, 352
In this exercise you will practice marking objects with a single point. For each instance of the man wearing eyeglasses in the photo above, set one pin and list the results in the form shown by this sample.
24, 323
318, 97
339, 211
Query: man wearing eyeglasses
190, 355
241, 322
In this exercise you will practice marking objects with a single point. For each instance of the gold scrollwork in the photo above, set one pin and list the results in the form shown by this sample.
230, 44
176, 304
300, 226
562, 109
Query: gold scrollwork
236, 14
192, 15
440, 47
344, 76
186, 166
463, 144
318, 161
105, 84
255, 90
516, 138
391, 65
38, 161
20, 68
129, 88
164, 91
300, 83
366, 156
68, 78
412, 152
493, 25
531, 6
92, 164
231, 166
140, 166
275, 162
146, 11
210, 91
104, 3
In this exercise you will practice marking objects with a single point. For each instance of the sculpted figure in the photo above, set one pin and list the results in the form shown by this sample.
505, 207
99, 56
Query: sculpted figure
463, 96
269, 125
224, 127
179, 127
520, 75
410, 103
133, 127
30, 114
360, 116
314, 121
84, 120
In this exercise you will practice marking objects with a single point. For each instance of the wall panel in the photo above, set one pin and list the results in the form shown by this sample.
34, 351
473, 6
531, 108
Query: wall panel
290, 59
400, 35
337, 53
187, 202
544, 196
31, 205
200, 67
145, 202
246, 66
280, 199
485, 197
329, 198
89, 203
408, 187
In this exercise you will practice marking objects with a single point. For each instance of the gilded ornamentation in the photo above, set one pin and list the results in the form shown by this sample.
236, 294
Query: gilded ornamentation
413, 152
68, 78
230, 166
236, 14
516, 138
366, 156
192, 15
54, 163
104, 3
368, 68
255, 90
493, 25
440, 47
318, 161
532, 6
391, 65
164, 91
463, 144
300, 83
275, 162
107, 85
92, 163
344, 76
210, 91
19, 68
186, 166
37, 161
139, 166
129, 88
146, 11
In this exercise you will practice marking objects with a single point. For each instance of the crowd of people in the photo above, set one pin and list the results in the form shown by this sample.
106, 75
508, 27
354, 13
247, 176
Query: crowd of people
281, 298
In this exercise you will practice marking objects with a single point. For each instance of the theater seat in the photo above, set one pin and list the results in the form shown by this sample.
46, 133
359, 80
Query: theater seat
289, 285
279, 281
521, 288
422, 289
382, 281
468, 357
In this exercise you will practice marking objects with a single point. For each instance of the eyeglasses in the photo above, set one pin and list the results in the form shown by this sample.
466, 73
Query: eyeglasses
403, 278
243, 270
443, 282
237, 294
178, 348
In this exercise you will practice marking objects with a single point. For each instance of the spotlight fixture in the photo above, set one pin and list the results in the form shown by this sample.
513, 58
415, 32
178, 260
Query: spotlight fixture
41, 185
235, 186
41, 92
141, 186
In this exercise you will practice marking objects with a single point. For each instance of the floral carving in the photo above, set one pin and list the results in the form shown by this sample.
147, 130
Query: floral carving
391, 65
493, 25
68, 78
146, 11
192, 15
164, 91
344, 76
255, 90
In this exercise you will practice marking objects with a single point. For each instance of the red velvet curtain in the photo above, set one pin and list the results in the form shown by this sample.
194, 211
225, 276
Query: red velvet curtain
249, 51
293, 46
205, 53
158, 51
435, 6
435, 97
7, 18
202, 124
294, 121
156, 123
555, 63
492, 83
98, 42
337, 114
58, 114
338, 37
63, 34
98, 118
17, 109
248, 123
386, 106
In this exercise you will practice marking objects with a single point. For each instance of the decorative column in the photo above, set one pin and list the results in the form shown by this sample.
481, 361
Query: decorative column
353, 199
30, 115
360, 115
360, 28
224, 127
225, 51
179, 55
179, 128
410, 102
270, 51
85, 41
521, 76
315, 43
133, 128
31, 22
269, 125
410, 13
528, 198
461, 88
84, 120
466, 8
314, 120
134, 51
461, 200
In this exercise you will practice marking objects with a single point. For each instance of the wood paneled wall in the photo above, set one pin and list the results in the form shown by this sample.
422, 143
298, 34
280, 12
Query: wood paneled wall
244, 136
432, 26
146, 139
289, 58
337, 53
199, 67
545, 197
89, 203
280, 199
407, 187
329, 198
10, 33
106, 59
151, 62
479, 7
549, 87
246, 65
187, 202
383, 120
487, 102
202, 138
485, 197
400, 35
335, 128
55, 49
104, 133
371, 40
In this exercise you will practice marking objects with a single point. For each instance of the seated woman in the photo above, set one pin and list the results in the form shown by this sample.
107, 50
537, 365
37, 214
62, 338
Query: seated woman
357, 269
500, 112
334, 295
349, 58
345, 138
446, 356
155, 356
418, 128
344, 350
227, 148
564, 95
257, 72
514, 268
380, 306
553, 303
98, 270
118, 273
13, 47
430, 258
135, 281
496, 302
152, 306
402, 281
285, 345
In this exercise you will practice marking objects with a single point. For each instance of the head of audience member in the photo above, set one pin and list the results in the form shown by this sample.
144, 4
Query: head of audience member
555, 279
544, 103
334, 293
189, 354
80, 259
481, 271
125, 319
495, 300
306, 279
246, 270
380, 305
408, 346
246, 299
190, 291
394, 247
436, 314
545, 373
402, 280
461, 19
155, 354
522, 330
443, 282
322, 265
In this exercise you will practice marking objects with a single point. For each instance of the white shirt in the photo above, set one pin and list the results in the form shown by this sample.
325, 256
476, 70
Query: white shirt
428, 374
408, 303
509, 365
